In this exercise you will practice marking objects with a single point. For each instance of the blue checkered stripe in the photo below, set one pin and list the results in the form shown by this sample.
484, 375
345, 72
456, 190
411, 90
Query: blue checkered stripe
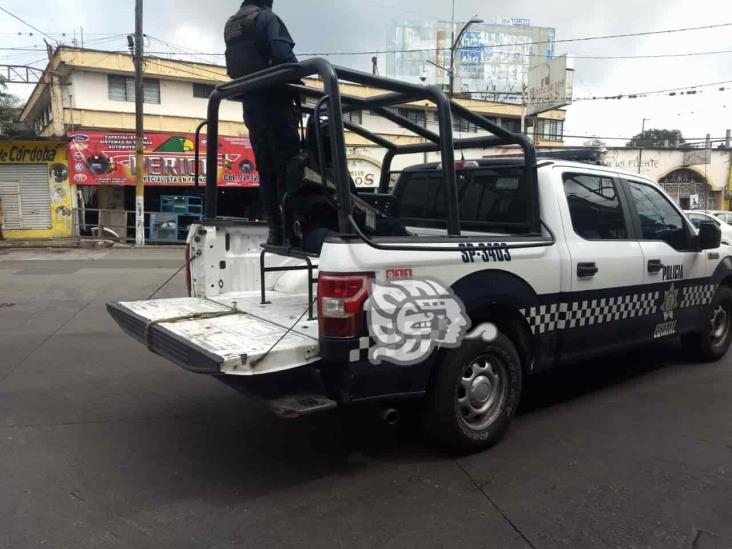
696, 296
589, 312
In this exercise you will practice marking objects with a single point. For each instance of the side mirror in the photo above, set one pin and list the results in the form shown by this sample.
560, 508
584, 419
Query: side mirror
709, 237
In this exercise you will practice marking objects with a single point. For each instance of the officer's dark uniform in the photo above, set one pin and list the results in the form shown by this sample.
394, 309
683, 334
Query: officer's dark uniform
255, 40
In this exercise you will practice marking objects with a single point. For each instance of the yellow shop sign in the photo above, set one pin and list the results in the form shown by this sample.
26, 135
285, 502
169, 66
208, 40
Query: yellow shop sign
19, 152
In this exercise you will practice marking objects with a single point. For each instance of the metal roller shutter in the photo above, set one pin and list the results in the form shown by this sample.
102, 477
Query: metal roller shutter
26, 196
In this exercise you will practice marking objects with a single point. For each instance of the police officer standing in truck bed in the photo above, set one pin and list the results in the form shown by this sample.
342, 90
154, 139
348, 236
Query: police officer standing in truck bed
257, 39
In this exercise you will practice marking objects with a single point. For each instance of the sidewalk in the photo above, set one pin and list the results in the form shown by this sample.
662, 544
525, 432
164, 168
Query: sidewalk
57, 243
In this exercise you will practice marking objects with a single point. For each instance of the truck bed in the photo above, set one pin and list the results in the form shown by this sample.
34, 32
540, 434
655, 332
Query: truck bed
228, 334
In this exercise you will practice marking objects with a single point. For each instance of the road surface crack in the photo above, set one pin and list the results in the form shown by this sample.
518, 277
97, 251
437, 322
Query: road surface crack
503, 514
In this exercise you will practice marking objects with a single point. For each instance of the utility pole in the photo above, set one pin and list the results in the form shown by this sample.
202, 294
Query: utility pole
139, 131
451, 72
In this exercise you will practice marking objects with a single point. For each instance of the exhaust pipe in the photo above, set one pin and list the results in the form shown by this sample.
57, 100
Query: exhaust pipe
390, 416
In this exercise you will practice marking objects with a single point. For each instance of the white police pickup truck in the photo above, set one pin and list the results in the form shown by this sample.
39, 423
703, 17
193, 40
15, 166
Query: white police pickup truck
506, 267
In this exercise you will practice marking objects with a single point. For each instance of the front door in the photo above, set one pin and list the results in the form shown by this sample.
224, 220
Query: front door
676, 274
605, 297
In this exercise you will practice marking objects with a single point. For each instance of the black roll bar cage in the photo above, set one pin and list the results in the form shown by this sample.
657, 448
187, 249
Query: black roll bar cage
398, 93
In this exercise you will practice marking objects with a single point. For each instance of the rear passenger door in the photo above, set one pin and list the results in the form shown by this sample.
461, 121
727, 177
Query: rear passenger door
674, 271
604, 297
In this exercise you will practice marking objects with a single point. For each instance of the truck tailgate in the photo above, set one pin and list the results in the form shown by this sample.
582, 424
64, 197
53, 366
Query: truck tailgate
234, 334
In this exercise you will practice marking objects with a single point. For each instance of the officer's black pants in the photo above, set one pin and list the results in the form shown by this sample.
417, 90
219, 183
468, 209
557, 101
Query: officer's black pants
275, 141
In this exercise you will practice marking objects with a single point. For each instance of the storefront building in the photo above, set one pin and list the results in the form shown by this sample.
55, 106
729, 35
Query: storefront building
37, 199
103, 167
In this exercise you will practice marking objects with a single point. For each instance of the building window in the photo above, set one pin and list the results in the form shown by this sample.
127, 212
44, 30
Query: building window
550, 130
122, 88
354, 117
202, 91
511, 124
461, 125
413, 115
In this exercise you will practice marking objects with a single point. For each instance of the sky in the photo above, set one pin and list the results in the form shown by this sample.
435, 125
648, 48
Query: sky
361, 25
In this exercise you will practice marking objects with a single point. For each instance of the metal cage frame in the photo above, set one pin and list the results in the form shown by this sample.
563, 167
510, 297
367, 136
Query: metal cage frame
396, 93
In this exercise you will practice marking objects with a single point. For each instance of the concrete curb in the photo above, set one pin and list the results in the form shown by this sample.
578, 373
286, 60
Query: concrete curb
56, 243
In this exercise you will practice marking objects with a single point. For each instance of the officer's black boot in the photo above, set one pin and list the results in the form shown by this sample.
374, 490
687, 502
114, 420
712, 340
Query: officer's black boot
276, 236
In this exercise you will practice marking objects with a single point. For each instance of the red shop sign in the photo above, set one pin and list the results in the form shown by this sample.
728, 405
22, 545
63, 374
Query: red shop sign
108, 158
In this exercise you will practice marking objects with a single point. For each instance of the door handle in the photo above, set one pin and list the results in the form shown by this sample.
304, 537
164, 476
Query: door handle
654, 265
587, 270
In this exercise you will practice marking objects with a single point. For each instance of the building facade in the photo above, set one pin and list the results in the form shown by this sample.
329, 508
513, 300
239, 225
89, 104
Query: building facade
689, 176
89, 95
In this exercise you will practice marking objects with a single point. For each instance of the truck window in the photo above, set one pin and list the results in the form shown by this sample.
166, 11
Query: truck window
594, 206
489, 199
659, 220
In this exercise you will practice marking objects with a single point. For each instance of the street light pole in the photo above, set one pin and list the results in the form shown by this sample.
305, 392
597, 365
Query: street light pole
139, 131
455, 42
640, 144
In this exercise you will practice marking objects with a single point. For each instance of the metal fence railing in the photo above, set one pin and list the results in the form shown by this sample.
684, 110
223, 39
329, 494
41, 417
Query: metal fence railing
119, 225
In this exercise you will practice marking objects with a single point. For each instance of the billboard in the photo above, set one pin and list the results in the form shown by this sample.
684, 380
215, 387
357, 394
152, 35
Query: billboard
550, 86
108, 158
491, 61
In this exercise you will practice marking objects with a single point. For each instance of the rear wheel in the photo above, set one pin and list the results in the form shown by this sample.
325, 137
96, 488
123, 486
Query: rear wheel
474, 394
713, 341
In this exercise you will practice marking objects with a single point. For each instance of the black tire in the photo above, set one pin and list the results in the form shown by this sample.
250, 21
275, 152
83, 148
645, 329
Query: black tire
714, 340
446, 419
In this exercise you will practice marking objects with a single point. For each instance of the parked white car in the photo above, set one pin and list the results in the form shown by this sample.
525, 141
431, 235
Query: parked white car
697, 217
726, 217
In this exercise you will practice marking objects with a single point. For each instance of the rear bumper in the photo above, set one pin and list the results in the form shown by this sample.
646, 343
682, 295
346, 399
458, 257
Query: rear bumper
165, 343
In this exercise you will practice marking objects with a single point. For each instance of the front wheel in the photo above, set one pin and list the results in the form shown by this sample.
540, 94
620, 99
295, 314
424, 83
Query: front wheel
474, 394
713, 341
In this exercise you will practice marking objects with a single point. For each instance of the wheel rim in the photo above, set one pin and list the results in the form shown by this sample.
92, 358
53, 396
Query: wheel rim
482, 391
719, 324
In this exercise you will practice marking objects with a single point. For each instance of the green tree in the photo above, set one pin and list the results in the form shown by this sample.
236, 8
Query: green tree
9, 108
657, 139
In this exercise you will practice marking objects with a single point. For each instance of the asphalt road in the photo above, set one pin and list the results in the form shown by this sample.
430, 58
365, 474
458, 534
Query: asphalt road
104, 445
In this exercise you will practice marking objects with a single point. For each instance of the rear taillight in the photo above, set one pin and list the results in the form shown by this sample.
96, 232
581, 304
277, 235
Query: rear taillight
188, 268
340, 303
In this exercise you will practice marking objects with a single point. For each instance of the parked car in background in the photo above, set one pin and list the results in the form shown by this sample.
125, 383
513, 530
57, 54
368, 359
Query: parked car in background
697, 217
726, 217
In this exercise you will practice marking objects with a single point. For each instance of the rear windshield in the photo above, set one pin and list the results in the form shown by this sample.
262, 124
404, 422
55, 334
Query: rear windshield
491, 200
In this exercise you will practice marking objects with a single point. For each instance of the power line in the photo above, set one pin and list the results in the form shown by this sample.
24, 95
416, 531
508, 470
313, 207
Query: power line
181, 49
566, 40
563, 41
650, 56
672, 92
598, 57
27, 24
